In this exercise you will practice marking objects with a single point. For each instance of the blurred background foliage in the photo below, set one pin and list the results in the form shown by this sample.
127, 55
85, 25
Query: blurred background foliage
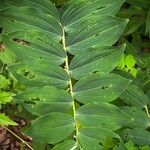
136, 59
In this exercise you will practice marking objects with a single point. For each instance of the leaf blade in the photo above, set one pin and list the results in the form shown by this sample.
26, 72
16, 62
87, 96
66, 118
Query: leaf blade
98, 59
41, 101
5, 120
102, 115
100, 87
51, 128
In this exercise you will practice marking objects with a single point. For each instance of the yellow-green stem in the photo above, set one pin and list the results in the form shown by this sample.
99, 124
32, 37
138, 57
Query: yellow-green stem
147, 112
70, 82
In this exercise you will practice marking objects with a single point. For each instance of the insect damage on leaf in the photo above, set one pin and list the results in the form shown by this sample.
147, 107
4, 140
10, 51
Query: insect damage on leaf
21, 42
2, 47
27, 73
66, 58
1, 30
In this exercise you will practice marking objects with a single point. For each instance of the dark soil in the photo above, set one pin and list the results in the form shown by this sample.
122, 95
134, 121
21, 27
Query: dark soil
9, 141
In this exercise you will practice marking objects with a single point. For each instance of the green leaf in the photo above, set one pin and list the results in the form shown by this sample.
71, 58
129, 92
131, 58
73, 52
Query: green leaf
40, 101
48, 44
97, 59
27, 47
5, 97
38, 146
29, 36
148, 23
82, 36
51, 128
7, 57
99, 87
97, 138
137, 135
130, 146
137, 41
4, 82
144, 60
129, 76
77, 10
5, 120
131, 12
144, 148
39, 73
135, 24
134, 96
44, 6
140, 118
130, 50
145, 4
66, 145
130, 61
44, 23
102, 115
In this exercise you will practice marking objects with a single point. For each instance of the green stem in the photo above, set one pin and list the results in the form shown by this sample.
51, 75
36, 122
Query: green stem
70, 82
18, 137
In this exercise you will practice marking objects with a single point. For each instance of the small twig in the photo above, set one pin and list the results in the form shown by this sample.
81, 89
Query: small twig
18, 137
147, 112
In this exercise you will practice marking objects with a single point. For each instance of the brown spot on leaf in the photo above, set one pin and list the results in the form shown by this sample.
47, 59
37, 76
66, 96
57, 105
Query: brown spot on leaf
22, 42
2, 47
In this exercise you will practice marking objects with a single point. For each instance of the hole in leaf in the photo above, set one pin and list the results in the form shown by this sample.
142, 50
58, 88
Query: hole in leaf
126, 136
32, 100
100, 7
95, 72
97, 34
60, 42
104, 87
100, 143
22, 42
103, 124
116, 141
35, 99
27, 73
12, 20
66, 33
136, 66
125, 66
129, 70
1, 30
40, 58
